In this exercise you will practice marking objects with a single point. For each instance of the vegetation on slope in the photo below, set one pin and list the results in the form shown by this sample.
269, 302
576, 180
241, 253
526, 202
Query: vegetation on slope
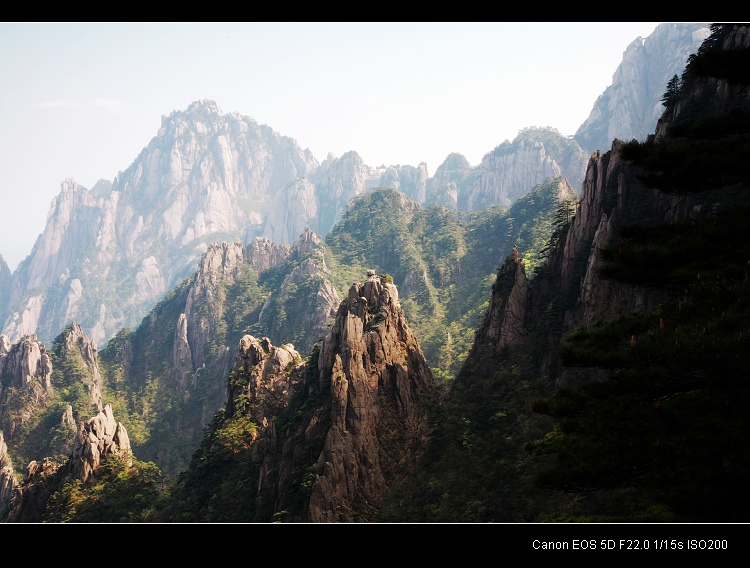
665, 437
443, 261
222, 482
122, 491
44, 433
670, 419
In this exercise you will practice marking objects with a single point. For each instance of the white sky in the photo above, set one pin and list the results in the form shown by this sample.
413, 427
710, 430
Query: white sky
81, 100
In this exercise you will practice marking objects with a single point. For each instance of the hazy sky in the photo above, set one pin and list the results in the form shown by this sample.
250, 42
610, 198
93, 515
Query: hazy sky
81, 100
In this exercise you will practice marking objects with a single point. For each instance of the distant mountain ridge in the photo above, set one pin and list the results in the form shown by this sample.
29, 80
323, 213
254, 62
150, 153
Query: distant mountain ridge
109, 253
630, 107
353, 434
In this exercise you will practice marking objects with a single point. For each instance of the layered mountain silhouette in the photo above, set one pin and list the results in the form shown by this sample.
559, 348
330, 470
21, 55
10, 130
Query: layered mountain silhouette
110, 252
599, 379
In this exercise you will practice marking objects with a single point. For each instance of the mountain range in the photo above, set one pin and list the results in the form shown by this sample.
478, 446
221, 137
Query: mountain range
110, 252
609, 340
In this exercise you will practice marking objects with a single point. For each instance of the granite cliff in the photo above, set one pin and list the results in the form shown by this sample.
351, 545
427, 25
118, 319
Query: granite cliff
333, 437
327, 437
630, 107
608, 387
181, 351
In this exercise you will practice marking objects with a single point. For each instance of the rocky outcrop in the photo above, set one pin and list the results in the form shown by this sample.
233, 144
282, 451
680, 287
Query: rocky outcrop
612, 195
409, 180
96, 439
361, 415
30, 499
338, 181
505, 321
306, 301
451, 178
221, 266
631, 106
25, 382
266, 377
318, 205
184, 347
109, 253
297, 208
714, 95
569, 289
204, 308
263, 254
261, 373
380, 387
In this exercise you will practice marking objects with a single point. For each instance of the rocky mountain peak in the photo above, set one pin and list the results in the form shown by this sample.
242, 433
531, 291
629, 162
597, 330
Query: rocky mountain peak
100, 436
504, 323
26, 367
380, 388
512, 169
96, 439
261, 372
350, 418
205, 106
631, 106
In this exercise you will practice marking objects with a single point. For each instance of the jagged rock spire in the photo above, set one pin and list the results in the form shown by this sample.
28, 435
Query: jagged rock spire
100, 436
380, 388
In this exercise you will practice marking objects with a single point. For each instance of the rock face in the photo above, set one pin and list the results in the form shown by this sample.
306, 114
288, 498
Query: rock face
360, 416
26, 385
25, 381
630, 107
96, 439
221, 266
263, 380
8, 483
451, 177
512, 169
612, 194
258, 373
109, 253
317, 203
101, 436
5, 277
570, 281
505, 322
182, 347
508, 172
206, 176
380, 388
568, 288
209, 176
